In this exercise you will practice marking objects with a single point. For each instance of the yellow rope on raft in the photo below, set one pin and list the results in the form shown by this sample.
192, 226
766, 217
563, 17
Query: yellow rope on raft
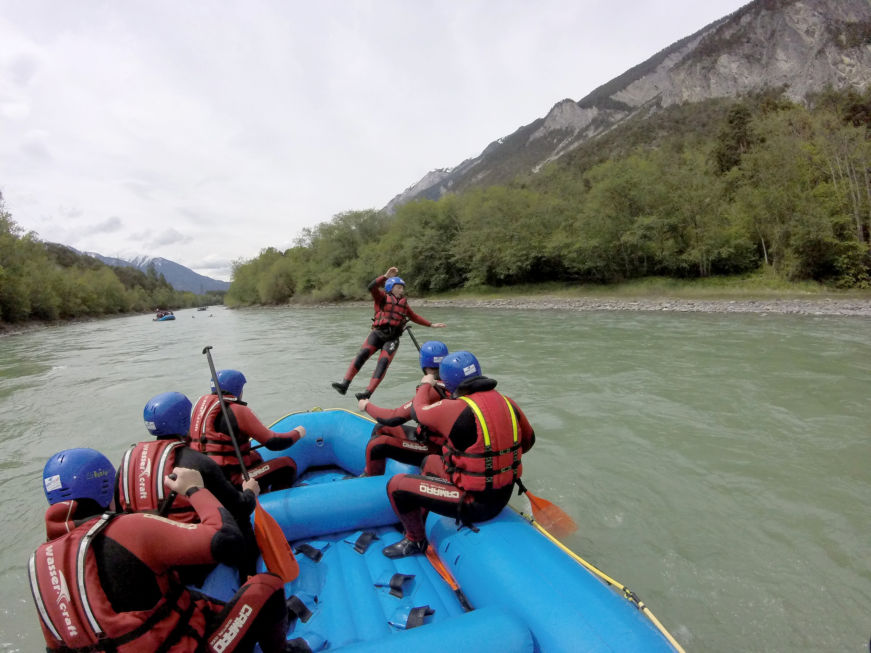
631, 596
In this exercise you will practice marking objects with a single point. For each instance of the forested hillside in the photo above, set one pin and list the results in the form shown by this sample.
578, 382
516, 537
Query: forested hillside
714, 188
45, 281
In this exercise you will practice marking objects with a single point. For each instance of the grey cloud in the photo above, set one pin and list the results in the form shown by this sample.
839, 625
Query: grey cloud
23, 68
164, 238
34, 147
107, 226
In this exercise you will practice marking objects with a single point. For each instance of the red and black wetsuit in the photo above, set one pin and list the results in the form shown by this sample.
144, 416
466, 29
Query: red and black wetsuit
393, 438
470, 480
139, 488
391, 314
210, 435
109, 583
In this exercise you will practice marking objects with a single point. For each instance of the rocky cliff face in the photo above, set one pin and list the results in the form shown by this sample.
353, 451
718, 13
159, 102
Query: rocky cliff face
799, 45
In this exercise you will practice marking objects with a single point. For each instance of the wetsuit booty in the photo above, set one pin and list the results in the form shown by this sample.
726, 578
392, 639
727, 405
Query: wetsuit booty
403, 548
363, 395
342, 387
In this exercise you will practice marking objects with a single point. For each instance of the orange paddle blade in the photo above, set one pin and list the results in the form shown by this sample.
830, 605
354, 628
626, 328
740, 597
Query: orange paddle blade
276, 552
439, 566
551, 517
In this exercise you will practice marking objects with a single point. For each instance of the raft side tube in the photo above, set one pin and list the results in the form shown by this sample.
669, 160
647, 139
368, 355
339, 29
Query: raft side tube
333, 437
510, 565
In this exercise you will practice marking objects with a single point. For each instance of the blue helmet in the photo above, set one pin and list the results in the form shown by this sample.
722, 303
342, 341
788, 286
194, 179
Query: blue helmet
457, 367
79, 474
168, 413
432, 352
231, 382
392, 281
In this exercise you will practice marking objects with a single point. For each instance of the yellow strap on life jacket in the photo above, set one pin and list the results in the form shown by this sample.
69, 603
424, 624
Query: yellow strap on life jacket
484, 428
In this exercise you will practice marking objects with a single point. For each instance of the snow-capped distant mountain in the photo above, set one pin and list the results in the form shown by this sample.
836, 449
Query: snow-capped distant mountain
178, 276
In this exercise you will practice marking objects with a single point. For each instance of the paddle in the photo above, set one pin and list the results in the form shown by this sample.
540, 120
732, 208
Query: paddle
413, 339
439, 566
550, 516
277, 554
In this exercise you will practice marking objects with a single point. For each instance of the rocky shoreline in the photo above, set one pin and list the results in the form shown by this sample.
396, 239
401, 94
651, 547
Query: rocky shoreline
823, 306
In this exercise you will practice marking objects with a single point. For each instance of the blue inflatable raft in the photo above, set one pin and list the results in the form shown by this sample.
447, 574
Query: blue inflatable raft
526, 591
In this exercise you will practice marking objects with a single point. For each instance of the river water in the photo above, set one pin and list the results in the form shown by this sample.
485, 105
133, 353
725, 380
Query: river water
717, 464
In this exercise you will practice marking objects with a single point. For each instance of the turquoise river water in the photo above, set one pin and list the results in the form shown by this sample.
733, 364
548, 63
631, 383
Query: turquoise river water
719, 465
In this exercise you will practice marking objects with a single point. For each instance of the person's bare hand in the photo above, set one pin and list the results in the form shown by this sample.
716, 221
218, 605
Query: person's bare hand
362, 403
438, 325
253, 485
429, 378
391, 272
184, 480
301, 430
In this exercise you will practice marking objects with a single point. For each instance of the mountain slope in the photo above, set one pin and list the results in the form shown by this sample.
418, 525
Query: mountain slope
178, 276
801, 46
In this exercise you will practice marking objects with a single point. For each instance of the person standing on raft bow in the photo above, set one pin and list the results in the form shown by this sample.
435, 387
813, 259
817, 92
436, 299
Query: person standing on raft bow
210, 434
392, 437
391, 313
109, 582
485, 435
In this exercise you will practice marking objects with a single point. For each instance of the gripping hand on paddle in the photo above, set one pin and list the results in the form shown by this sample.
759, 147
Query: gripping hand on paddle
183, 479
253, 485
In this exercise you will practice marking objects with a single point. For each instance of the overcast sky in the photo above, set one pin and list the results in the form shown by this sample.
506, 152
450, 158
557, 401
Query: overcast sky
203, 131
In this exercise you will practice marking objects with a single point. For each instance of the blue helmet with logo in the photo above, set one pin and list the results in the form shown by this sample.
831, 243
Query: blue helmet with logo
231, 382
432, 353
392, 281
168, 413
457, 367
79, 474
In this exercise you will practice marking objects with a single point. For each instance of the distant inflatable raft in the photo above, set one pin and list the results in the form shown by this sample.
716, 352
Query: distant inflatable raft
523, 591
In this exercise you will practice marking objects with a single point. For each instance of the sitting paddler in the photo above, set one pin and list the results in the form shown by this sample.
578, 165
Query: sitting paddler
485, 434
210, 434
139, 485
392, 437
109, 582
391, 314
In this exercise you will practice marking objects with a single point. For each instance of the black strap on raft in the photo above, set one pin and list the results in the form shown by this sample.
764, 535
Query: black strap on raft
417, 615
310, 552
364, 541
521, 488
297, 608
297, 645
396, 583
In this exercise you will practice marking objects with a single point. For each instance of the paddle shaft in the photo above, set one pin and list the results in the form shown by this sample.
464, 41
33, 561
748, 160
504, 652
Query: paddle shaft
225, 411
413, 339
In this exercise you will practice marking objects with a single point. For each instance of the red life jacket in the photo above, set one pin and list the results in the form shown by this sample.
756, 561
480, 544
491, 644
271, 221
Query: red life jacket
140, 480
493, 461
75, 612
213, 443
392, 313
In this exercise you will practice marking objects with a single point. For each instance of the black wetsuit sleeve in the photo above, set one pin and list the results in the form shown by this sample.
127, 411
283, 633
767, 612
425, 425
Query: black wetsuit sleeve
240, 504
464, 432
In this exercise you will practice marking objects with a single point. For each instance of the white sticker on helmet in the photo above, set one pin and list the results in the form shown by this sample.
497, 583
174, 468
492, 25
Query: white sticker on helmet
53, 483
468, 370
150, 426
